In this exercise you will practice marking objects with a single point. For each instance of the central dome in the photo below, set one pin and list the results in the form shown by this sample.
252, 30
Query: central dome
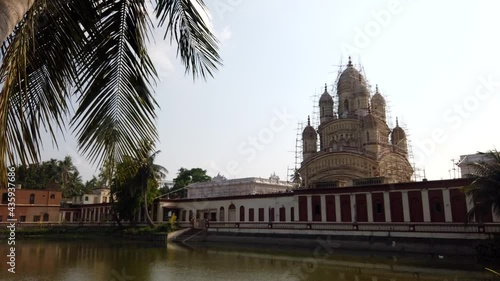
350, 79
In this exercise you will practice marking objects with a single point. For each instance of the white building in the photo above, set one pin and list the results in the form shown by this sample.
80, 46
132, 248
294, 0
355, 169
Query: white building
222, 187
98, 196
466, 160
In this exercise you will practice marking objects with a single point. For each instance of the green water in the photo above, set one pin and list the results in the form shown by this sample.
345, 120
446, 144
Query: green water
113, 260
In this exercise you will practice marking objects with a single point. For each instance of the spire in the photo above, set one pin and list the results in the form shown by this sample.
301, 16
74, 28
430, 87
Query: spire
397, 124
325, 89
350, 62
376, 88
309, 121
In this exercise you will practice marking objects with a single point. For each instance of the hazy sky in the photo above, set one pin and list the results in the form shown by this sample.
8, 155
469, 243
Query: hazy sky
437, 62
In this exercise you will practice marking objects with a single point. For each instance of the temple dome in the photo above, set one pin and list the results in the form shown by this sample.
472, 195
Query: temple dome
309, 132
349, 79
378, 98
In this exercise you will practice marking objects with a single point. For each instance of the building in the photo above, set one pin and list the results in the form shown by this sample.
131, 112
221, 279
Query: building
356, 146
32, 205
98, 196
466, 160
356, 182
219, 186
93, 207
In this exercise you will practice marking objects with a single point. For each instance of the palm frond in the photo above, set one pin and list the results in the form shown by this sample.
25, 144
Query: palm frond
37, 70
197, 46
117, 108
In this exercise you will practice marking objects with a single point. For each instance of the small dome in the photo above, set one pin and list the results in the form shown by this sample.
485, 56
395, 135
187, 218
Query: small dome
325, 97
369, 121
309, 132
349, 79
378, 98
397, 134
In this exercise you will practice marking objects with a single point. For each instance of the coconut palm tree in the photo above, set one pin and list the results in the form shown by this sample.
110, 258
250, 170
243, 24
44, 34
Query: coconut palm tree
148, 171
296, 178
484, 190
91, 54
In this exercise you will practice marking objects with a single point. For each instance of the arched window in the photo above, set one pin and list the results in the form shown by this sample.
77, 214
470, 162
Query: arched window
367, 136
32, 198
45, 217
242, 213
52, 196
221, 214
346, 105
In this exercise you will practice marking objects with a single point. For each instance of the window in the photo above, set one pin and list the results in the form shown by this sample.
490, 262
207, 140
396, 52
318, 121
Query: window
86, 198
5, 198
379, 208
346, 105
22, 218
45, 217
32, 198
1, 219
36, 218
261, 214
292, 214
367, 137
317, 209
221, 214
52, 196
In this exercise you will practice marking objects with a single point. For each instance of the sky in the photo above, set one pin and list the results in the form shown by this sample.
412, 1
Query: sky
437, 64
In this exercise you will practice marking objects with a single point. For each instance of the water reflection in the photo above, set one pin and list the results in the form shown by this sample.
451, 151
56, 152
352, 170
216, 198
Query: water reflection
108, 260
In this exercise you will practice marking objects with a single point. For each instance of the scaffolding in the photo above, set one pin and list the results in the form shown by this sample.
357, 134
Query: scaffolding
298, 147
411, 159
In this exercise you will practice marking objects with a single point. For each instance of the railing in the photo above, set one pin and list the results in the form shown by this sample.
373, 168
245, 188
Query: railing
75, 224
492, 228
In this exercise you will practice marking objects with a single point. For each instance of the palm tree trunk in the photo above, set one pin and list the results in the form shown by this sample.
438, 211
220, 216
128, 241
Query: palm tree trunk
11, 13
146, 214
144, 182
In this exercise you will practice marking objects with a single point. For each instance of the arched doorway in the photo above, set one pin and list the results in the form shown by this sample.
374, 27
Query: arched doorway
231, 213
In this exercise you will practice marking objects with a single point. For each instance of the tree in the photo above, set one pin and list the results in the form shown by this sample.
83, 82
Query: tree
61, 172
135, 181
296, 178
150, 175
186, 177
92, 53
484, 190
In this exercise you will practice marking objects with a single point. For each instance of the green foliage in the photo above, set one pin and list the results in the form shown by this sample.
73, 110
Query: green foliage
60, 172
186, 177
485, 187
172, 222
296, 178
136, 181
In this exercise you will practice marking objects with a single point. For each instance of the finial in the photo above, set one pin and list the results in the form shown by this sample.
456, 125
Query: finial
397, 124
309, 121
376, 88
325, 88
350, 62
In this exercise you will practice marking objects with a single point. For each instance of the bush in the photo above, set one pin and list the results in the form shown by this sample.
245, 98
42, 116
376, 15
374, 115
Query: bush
172, 221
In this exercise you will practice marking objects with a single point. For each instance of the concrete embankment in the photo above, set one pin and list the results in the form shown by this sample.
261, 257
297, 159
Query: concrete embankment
431, 246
